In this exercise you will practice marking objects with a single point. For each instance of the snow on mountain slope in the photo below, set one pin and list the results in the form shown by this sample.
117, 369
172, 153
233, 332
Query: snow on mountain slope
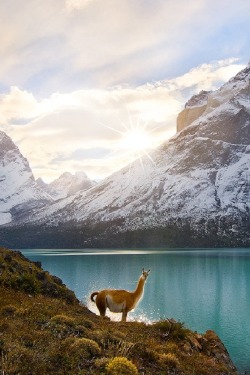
67, 184
232, 96
197, 183
205, 184
18, 188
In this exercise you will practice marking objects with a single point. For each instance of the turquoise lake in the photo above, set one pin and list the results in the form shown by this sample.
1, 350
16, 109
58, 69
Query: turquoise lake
205, 289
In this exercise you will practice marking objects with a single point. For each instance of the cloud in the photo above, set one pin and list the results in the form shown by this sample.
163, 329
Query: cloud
75, 74
207, 76
85, 129
67, 45
17, 105
72, 5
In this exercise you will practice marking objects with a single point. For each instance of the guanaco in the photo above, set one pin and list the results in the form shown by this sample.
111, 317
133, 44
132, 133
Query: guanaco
120, 301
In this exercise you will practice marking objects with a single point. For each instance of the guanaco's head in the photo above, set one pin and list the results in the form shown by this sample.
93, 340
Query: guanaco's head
145, 274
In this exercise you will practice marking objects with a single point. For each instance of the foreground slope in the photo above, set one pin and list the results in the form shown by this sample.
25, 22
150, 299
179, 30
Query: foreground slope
45, 330
192, 191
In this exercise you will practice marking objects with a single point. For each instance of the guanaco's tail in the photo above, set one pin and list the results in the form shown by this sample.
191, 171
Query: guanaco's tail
93, 295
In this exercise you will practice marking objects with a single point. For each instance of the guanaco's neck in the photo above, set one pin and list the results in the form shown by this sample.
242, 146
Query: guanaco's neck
139, 289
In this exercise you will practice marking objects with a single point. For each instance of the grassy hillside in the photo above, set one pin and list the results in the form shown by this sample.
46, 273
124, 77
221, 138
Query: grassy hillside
45, 330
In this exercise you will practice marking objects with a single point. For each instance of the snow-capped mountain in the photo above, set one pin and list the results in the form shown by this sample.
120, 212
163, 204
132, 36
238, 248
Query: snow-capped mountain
18, 189
67, 184
193, 191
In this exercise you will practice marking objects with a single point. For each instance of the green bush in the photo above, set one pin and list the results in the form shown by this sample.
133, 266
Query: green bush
100, 364
85, 348
121, 366
63, 319
27, 283
8, 310
169, 360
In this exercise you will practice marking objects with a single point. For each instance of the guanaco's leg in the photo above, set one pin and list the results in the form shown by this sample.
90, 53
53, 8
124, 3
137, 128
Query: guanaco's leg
124, 315
101, 305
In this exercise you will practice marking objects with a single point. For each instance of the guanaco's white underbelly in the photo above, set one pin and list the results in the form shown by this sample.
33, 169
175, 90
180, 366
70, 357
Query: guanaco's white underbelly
113, 306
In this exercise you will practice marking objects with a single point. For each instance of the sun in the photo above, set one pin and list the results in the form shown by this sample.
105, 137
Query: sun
136, 141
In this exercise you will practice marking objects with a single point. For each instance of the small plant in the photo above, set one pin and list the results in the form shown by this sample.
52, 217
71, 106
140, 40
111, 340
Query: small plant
163, 326
120, 348
178, 331
63, 319
8, 310
169, 360
171, 347
85, 348
121, 366
25, 282
27, 340
101, 363
144, 352
74, 355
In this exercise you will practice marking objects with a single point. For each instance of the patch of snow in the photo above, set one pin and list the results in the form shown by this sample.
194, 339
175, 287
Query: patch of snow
5, 218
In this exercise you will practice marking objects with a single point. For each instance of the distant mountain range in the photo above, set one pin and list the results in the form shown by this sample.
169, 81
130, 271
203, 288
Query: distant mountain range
67, 184
193, 191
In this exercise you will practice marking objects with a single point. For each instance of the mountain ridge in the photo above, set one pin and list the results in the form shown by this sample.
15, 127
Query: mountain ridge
192, 191
67, 184
19, 190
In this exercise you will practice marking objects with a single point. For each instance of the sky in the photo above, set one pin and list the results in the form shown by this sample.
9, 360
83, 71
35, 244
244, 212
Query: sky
90, 85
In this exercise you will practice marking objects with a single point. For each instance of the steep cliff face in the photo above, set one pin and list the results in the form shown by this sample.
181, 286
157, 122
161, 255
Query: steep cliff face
18, 189
194, 108
235, 94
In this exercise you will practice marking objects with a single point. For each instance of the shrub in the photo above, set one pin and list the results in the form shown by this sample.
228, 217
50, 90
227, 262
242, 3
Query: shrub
101, 363
85, 348
121, 366
26, 282
74, 355
63, 319
164, 326
178, 331
27, 340
20, 360
87, 323
169, 360
144, 352
8, 310
171, 347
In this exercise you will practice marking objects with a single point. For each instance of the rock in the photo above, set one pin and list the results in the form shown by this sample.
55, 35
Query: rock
213, 347
195, 343
194, 108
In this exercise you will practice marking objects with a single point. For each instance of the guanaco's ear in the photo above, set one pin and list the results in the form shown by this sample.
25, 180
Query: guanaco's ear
149, 270
143, 270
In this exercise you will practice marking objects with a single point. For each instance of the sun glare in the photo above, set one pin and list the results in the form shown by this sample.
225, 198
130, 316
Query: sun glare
136, 140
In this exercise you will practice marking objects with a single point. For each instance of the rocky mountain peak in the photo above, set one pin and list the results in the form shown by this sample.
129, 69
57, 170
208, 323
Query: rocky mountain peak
7, 146
192, 191
17, 184
232, 97
198, 99
67, 184
243, 75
